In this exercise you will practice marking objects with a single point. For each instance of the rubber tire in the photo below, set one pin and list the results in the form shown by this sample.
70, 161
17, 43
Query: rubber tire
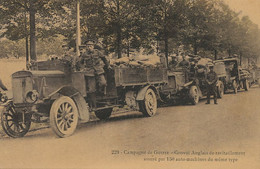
8, 129
54, 119
194, 95
234, 84
144, 106
246, 85
221, 89
103, 114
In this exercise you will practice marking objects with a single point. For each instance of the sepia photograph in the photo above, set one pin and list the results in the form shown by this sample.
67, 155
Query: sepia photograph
129, 84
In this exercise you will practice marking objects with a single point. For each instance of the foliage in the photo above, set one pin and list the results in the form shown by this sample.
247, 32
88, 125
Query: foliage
205, 27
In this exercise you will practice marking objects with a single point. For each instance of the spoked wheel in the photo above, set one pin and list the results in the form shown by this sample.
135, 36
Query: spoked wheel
103, 114
64, 116
235, 86
221, 89
246, 85
194, 95
148, 106
15, 124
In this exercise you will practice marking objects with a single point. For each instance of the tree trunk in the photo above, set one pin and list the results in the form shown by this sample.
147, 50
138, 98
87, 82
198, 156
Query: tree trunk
216, 54
195, 48
229, 52
166, 43
240, 58
27, 49
119, 32
26, 39
32, 32
128, 47
166, 48
78, 36
118, 41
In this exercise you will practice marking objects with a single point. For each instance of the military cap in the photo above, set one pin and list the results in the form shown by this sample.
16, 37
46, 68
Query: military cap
89, 42
82, 46
211, 65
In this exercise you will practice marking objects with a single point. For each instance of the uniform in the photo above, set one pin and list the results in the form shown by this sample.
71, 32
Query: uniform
185, 66
211, 79
93, 68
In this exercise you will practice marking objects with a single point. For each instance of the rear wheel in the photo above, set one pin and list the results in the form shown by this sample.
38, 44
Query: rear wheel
15, 124
64, 116
221, 89
194, 95
148, 106
104, 114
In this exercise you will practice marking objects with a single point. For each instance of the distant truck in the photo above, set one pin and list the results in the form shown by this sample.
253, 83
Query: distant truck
200, 72
178, 88
188, 89
231, 75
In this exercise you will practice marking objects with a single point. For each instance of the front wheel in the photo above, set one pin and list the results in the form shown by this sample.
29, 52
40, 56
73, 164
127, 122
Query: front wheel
194, 95
15, 124
104, 114
148, 106
64, 116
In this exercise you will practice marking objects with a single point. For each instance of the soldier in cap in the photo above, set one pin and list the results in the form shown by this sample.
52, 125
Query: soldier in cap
186, 68
211, 80
93, 62
67, 53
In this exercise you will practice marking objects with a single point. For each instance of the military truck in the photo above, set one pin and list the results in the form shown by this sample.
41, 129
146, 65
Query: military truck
189, 86
232, 76
53, 89
179, 88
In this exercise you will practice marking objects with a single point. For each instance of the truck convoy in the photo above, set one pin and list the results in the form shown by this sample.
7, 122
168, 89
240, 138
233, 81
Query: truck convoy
53, 89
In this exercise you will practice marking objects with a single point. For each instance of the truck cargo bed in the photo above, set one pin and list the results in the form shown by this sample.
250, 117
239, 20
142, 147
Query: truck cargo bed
140, 76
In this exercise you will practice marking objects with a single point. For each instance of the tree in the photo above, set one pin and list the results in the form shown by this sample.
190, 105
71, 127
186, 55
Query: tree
13, 11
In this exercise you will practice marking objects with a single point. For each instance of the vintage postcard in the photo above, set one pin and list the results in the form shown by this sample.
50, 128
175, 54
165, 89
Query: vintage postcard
126, 84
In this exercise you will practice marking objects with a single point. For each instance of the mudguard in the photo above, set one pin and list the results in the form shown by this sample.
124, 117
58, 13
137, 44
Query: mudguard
142, 91
79, 101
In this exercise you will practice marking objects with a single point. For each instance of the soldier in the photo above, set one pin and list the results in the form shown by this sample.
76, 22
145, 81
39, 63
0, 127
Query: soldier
184, 63
67, 53
211, 80
174, 62
93, 62
185, 66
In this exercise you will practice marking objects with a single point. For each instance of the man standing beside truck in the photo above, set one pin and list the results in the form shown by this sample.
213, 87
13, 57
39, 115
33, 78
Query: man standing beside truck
211, 81
93, 62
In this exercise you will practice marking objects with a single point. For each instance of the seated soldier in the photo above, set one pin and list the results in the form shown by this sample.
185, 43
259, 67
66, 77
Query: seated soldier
185, 65
174, 62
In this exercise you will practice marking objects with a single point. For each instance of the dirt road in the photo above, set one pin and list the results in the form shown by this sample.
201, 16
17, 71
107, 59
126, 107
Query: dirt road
220, 136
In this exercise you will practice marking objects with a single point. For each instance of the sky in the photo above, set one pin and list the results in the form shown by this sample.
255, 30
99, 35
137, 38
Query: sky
250, 8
